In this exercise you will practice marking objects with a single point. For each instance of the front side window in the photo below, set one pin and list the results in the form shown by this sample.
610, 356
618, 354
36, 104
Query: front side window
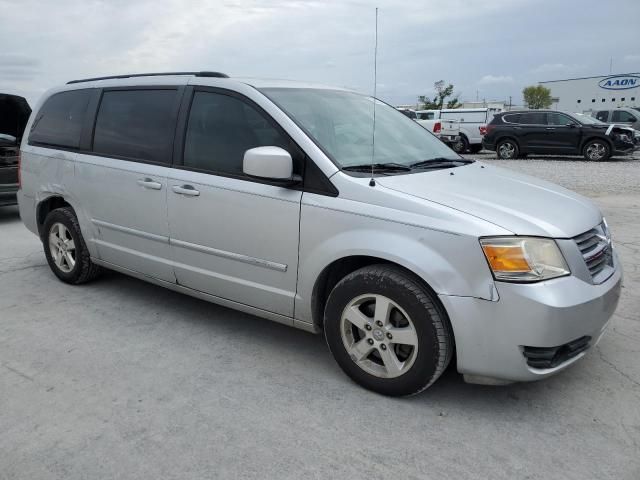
341, 123
136, 124
559, 119
602, 115
59, 122
221, 129
622, 116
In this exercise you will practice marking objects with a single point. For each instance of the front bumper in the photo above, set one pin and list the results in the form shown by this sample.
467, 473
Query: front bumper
491, 336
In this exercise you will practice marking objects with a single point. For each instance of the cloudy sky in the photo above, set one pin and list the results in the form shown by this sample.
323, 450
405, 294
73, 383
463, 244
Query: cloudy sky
488, 48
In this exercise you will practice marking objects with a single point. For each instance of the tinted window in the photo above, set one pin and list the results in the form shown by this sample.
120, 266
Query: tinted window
426, 116
136, 124
622, 116
221, 128
559, 119
59, 121
511, 118
602, 115
533, 118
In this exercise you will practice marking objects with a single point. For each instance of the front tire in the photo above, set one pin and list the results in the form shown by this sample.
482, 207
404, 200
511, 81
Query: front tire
65, 249
507, 149
596, 151
387, 331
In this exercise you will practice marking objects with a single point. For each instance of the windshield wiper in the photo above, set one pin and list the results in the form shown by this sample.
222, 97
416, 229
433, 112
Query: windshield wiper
388, 167
441, 162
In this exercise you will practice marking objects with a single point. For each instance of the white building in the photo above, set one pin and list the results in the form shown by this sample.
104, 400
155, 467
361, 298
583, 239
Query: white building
593, 93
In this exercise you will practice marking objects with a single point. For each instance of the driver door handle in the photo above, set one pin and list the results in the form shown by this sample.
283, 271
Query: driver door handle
187, 190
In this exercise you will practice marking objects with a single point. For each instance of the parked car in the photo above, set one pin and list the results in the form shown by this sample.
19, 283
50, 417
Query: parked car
518, 133
620, 116
408, 112
263, 196
473, 125
446, 130
472, 121
14, 113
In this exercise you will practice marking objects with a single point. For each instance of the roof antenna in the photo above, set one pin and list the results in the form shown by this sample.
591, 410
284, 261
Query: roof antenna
372, 182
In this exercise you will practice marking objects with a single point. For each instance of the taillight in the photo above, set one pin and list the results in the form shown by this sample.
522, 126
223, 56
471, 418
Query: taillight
483, 129
437, 127
19, 169
487, 129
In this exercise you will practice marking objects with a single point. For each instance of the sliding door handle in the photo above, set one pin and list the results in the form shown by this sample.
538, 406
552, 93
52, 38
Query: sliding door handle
149, 183
187, 190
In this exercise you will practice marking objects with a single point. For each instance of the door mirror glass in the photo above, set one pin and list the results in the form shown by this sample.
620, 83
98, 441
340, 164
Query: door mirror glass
8, 140
272, 163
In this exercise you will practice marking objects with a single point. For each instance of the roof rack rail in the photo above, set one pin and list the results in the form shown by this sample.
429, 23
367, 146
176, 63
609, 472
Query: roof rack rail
195, 74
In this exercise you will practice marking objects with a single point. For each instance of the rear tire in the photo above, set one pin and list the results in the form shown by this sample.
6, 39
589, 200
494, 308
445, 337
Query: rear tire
507, 149
461, 146
596, 150
387, 331
65, 249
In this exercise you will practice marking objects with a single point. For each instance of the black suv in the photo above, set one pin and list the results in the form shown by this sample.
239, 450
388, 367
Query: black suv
516, 134
14, 114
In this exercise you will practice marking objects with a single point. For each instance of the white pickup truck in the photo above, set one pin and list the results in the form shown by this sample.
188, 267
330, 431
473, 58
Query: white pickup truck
472, 121
446, 130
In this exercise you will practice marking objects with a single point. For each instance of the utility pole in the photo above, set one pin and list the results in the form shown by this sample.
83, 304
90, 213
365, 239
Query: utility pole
509, 102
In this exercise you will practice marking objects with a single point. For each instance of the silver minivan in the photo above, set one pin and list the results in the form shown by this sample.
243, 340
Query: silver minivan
273, 198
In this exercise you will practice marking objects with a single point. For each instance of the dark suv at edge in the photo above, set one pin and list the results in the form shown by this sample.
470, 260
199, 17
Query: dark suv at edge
14, 114
517, 133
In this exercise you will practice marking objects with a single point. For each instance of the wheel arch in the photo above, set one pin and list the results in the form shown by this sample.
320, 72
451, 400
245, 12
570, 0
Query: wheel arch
47, 205
588, 139
340, 268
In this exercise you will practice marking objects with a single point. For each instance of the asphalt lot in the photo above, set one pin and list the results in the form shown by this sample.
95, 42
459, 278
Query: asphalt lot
123, 379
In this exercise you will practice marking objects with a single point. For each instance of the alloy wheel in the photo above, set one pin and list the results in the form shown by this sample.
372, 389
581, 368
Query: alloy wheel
507, 150
62, 247
379, 336
596, 151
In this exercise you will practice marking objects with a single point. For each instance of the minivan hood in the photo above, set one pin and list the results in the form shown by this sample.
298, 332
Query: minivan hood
14, 114
516, 202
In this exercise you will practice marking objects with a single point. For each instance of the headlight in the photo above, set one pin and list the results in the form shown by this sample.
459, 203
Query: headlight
524, 259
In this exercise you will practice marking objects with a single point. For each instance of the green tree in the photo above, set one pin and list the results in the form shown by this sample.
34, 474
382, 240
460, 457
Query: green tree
443, 92
537, 96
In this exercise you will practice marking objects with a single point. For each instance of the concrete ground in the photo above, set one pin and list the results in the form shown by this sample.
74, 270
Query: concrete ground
123, 379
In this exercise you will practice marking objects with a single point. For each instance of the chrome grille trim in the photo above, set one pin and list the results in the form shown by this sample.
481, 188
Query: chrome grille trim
596, 250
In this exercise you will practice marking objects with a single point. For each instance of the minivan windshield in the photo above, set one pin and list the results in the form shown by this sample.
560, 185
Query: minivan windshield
341, 123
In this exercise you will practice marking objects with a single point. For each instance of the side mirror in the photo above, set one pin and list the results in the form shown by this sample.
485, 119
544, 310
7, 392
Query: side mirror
8, 140
572, 125
270, 163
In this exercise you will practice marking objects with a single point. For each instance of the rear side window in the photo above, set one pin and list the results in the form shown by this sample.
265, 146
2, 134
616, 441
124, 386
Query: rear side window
59, 122
136, 124
510, 118
221, 128
534, 118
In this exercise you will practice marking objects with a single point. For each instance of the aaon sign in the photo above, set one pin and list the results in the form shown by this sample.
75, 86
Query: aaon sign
620, 82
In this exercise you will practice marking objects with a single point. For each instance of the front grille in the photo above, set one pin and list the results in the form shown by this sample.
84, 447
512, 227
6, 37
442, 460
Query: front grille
595, 247
550, 357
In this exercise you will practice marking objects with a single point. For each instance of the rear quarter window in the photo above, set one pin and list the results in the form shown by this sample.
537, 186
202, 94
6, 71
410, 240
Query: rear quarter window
510, 118
60, 119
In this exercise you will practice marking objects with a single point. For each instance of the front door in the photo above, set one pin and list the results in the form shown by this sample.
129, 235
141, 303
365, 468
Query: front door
564, 133
233, 236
